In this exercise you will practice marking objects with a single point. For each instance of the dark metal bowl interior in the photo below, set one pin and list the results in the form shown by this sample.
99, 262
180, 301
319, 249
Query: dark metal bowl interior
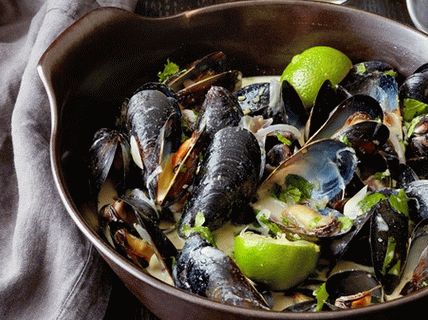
105, 56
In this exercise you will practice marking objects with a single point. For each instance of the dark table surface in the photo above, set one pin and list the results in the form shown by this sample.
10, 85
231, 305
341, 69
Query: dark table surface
123, 305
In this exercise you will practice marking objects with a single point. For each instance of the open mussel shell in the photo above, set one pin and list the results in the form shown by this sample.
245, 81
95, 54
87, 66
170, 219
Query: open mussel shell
109, 155
417, 192
354, 109
194, 94
388, 243
328, 98
418, 139
132, 223
208, 65
329, 177
353, 289
155, 130
227, 179
375, 79
207, 271
415, 274
365, 137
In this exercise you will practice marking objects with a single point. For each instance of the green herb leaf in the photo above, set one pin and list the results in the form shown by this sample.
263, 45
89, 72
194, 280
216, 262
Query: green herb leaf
304, 186
283, 139
395, 269
314, 222
263, 220
371, 200
389, 256
390, 73
360, 68
382, 175
204, 232
412, 108
321, 295
345, 223
399, 202
344, 139
411, 126
290, 195
170, 68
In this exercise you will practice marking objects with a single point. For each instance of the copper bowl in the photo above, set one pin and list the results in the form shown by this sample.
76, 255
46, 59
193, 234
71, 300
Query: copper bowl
104, 56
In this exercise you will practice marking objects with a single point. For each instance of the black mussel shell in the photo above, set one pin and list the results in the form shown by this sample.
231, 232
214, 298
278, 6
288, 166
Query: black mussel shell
365, 137
417, 192
355, 108
415, 87
405, 176
227, 179
374, 78
353, 289
295, 113
167, 91
210, 64
254, 99
422, 68
193, 95
109, 155
388, 243
155, 126
305, 306
207, 271
327, 100
219, 110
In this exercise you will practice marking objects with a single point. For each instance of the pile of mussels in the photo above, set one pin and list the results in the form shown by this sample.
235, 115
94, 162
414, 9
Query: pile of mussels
198, 150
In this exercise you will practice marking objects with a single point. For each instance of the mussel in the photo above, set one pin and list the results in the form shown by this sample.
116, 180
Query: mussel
295, 194
155, 131
227, 179
207, 271
109, 155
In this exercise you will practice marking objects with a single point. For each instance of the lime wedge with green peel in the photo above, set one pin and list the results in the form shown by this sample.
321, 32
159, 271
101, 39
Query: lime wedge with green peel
278, 263
308, 70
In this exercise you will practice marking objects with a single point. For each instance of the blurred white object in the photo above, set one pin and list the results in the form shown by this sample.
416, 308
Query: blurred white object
418, 10
333, 1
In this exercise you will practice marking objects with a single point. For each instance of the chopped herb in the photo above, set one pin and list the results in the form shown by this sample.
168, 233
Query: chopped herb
382, 175
170, 68
411, 126
345, 223
395, 269
399, 202
283, 139
413, 108
370, 201
314, 222
263, 219
389, 256
290, 194
390, 73
285, 221
360, 68
183, 168
321, 295
344, 139
204, 232
297, 189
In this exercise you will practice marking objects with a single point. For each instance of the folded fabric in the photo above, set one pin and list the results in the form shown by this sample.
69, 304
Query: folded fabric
48, 270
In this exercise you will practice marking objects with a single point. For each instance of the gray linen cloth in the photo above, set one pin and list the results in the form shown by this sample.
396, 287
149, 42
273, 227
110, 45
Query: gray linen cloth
48, 270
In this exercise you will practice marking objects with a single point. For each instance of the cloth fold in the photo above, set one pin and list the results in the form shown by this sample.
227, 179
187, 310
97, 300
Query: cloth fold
48, 270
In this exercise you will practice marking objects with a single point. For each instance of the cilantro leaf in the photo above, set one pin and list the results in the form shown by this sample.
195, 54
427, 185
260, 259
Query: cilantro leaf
371, 200
399, 202
170, 68
321, 295
412, 108
204, 232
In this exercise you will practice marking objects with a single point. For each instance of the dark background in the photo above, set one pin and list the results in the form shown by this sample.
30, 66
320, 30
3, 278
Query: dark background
123, 305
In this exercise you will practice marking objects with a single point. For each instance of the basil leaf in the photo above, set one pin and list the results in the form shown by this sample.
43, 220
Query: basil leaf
413, 108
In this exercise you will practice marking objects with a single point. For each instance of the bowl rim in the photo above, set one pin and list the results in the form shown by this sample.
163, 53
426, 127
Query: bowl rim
110, 253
